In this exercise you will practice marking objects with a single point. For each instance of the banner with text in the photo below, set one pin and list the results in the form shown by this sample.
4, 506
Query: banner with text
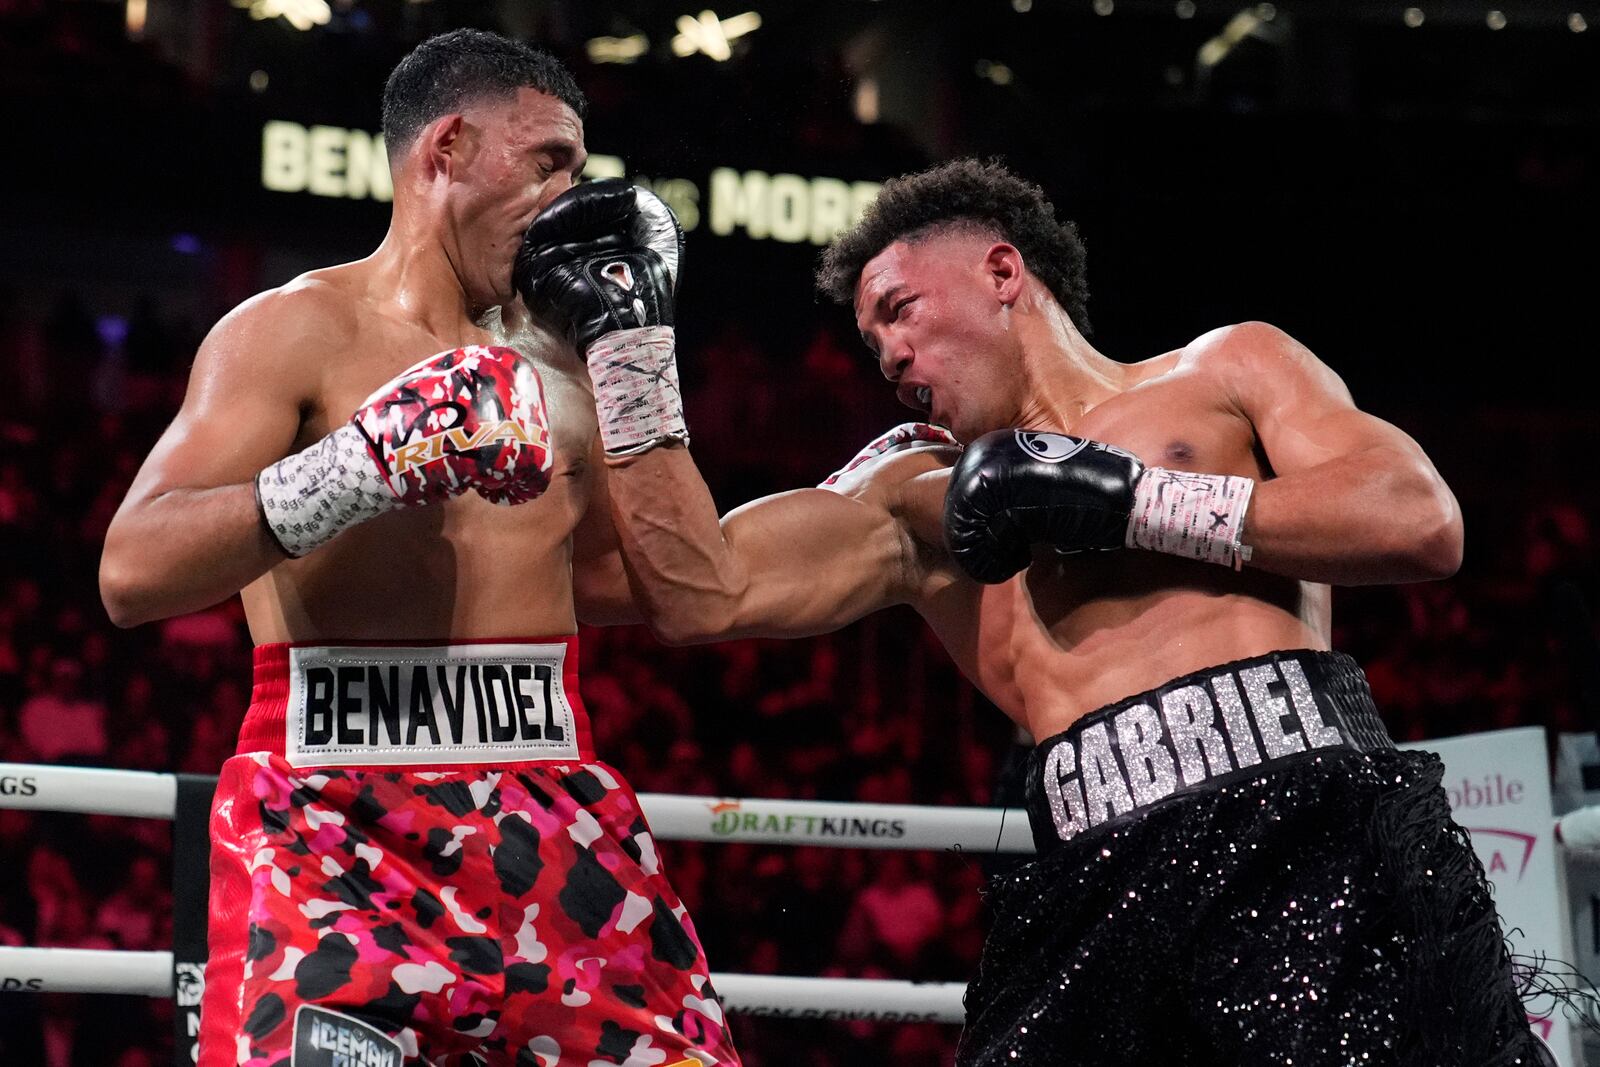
1499, 788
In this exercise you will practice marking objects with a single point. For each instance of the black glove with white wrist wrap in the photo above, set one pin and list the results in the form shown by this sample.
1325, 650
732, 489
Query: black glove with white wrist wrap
1014, 489
602, 261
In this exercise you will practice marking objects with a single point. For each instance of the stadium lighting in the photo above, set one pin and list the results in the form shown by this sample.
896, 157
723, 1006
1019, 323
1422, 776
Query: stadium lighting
301, 14
712, 35
1238, 28
617, 49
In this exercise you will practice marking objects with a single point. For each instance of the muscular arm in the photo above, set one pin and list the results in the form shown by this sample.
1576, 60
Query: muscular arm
189, 533
1355, 501
600, 590
789, 565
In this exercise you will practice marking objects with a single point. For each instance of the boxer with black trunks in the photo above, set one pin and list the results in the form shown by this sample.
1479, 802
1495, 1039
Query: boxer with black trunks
417, 857
1237, 866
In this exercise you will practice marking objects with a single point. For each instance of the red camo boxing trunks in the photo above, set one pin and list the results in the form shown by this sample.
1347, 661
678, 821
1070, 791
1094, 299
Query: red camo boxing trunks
416, 859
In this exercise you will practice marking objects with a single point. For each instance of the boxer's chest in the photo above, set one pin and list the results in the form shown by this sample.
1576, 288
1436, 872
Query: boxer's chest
569, 408
1072, 619
1178, 421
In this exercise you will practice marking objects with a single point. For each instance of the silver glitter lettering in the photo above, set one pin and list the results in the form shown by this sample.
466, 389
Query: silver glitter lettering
1319, 733
1191, 723
1150, 768
1269, 711
1105, 790
1242, 738
1064, 791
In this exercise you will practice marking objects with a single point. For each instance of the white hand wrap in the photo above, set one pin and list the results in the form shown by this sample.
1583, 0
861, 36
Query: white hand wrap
308, 498
635, 375
1199, 516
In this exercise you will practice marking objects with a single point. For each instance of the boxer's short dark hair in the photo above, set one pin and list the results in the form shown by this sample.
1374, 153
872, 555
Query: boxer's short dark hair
964, 194
446, 72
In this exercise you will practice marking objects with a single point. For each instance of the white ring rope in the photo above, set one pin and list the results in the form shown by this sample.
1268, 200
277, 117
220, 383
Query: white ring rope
672, 817
71, 970
41, 787
84, 970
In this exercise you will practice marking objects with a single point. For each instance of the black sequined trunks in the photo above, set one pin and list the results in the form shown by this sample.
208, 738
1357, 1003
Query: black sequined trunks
1238, 869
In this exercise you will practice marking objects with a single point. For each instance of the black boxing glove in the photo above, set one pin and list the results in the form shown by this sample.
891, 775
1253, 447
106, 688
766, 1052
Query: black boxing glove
1013, 489
602, 262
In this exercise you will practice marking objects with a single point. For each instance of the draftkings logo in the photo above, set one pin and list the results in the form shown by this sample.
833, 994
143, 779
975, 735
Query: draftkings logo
728, 818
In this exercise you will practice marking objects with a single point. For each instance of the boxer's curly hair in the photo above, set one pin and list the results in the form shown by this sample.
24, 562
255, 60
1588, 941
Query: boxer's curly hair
447, 71
964, 194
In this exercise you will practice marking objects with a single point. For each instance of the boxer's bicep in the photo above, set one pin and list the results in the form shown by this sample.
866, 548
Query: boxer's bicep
1350, 499
813, 560
189, 531
1301, 410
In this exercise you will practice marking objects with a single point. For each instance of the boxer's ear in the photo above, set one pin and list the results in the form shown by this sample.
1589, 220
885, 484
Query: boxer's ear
1003, 268
447, 144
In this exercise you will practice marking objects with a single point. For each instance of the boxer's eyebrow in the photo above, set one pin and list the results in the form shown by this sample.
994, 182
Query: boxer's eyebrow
881, 310
886, 299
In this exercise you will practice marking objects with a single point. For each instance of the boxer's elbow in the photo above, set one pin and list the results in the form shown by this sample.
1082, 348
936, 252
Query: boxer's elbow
700, 623
129, 597
1433, 537
698, 612
1443, 544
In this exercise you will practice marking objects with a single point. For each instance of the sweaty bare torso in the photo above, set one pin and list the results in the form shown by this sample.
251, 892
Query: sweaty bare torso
1074, 633
463, 568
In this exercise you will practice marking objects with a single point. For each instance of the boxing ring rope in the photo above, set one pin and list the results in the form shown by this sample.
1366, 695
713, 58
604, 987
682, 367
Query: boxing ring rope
143, 794
672, 818
74, 970
151, 795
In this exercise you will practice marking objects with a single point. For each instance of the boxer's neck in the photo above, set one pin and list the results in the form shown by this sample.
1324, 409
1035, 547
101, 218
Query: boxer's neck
1063, 376
415, 273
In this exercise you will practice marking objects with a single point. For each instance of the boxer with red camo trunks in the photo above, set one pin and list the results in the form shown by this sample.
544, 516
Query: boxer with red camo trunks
417, 857
513, 907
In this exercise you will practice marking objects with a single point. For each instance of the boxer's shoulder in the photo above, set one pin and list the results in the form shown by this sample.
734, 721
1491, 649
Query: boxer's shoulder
305, 312
1253, 347
277, 342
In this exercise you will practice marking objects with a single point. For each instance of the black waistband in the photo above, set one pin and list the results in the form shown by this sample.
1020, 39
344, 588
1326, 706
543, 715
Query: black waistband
1196, 733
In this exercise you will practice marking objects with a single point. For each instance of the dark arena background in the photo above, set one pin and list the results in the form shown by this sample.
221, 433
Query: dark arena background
1410, 190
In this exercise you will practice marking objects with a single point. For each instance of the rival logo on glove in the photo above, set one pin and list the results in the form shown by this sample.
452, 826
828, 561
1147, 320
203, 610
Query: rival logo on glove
455, 441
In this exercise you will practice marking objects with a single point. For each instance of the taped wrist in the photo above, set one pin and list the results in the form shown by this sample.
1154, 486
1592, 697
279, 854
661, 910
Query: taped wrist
1198, 516
635, 376
308, 498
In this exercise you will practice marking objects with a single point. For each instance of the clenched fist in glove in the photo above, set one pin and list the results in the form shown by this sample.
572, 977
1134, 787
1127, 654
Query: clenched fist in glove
1013, 489
602, 261
471, 418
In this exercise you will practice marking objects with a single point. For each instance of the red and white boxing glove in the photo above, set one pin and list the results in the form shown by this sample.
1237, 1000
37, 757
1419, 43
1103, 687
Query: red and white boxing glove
902, 438
471, 418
